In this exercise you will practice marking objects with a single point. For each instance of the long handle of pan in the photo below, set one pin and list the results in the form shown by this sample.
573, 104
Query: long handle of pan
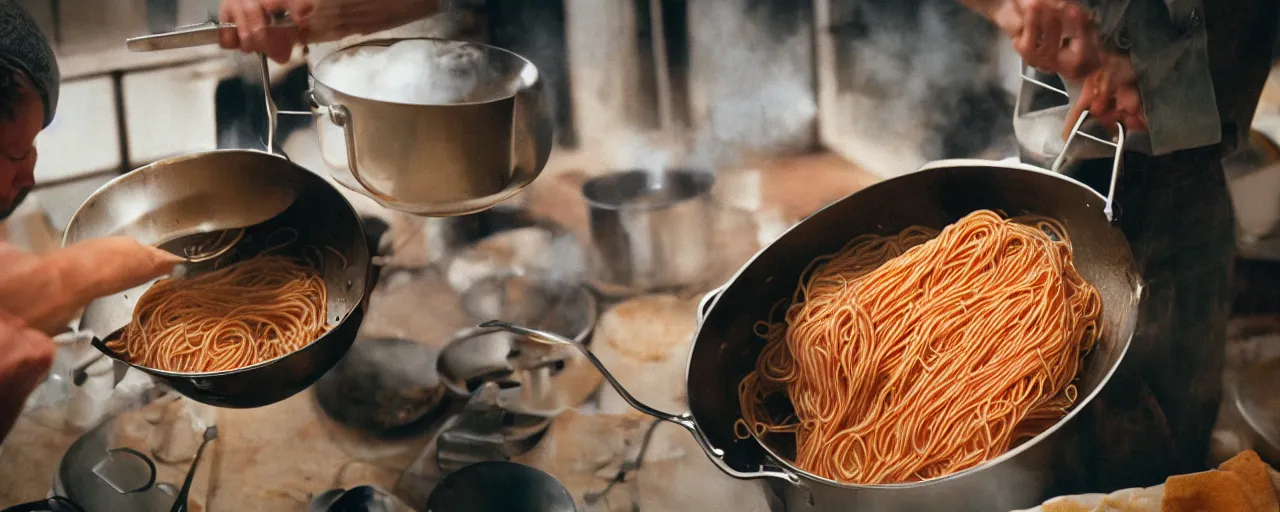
685, 421
200, 34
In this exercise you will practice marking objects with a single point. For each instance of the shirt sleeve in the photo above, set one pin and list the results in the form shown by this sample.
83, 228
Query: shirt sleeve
1168, 46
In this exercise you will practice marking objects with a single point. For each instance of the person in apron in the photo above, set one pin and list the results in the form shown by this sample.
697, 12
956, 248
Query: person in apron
39, 294
1188, 74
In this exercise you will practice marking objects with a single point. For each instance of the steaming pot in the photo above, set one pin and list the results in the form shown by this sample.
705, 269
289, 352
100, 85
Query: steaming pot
454, 154
455, 157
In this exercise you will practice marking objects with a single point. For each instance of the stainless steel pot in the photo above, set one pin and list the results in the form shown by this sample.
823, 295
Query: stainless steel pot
452, 157
726, 347
650, 231
435, 158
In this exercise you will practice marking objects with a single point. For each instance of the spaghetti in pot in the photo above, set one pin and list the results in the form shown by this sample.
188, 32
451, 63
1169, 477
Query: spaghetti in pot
241, 314
911, 357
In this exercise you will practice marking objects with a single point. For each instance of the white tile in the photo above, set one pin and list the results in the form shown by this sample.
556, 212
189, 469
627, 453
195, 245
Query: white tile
171, 111
84, 136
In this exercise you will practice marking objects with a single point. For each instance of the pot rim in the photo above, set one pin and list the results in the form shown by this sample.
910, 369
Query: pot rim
526, 82
703, 180
1012, 452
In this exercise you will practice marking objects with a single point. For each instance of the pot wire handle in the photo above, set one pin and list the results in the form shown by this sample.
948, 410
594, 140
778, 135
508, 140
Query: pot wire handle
684, 420
1118, 144
704, 304
1117, 161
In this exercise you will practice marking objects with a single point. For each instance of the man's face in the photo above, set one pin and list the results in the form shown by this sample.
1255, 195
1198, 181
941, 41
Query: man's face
18, 150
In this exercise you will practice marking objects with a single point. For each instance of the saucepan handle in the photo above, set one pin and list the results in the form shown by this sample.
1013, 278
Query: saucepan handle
1117, 161
199, 34
338, 114
685, 420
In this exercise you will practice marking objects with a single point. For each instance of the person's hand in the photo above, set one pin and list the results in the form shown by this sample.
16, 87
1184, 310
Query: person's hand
317, 21
1055, 36
25, 357
1111, 96
253, 32
47, 291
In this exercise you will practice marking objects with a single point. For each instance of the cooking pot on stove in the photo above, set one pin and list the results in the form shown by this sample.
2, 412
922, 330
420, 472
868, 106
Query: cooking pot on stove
726, 347
473, 146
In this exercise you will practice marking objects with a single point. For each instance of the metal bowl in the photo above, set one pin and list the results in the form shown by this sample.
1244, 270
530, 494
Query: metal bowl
213, 190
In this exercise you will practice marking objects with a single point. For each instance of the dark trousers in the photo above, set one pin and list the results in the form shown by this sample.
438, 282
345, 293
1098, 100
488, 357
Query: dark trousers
1155, 417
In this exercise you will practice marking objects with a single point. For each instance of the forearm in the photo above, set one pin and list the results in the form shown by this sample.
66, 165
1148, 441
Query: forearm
47, 291
336, 19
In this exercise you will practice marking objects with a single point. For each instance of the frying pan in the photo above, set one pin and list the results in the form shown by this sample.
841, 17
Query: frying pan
225, 189
726, 348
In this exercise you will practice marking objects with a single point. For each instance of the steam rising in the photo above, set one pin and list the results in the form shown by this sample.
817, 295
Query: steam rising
417, 72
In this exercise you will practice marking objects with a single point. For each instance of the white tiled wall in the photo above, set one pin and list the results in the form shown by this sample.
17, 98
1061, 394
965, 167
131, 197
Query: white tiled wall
170, 111
84, 137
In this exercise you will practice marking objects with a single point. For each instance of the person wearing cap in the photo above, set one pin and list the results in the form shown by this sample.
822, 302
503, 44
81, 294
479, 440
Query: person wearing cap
40, 294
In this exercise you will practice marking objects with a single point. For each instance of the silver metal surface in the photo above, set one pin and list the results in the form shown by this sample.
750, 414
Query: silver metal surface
650, 231
76, 480
535, 380
500, 487
438, 159
726, 347
221, 190
204, 247
200, 34
484, 431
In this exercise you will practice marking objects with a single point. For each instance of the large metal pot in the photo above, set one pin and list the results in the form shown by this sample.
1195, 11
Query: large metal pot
452, 157
726, 347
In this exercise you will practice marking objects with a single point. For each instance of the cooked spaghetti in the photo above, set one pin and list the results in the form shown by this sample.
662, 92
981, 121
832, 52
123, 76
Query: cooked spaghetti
915, 356
242, 314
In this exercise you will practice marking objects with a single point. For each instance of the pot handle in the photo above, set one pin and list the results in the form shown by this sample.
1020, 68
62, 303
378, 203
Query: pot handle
704, 304
1117, 161
684, 420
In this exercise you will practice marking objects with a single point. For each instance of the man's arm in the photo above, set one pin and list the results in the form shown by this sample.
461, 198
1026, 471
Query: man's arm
25, 357
47, 291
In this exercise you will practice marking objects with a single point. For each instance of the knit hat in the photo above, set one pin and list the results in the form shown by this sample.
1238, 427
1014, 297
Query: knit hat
24, 47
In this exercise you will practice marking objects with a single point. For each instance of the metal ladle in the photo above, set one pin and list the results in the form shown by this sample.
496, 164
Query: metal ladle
180, 503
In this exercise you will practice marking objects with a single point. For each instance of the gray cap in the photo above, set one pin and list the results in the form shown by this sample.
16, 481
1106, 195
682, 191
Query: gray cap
23, 46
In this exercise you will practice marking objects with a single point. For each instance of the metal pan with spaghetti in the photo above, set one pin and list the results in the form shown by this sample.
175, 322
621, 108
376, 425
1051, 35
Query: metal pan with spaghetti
909, 357
319, 235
